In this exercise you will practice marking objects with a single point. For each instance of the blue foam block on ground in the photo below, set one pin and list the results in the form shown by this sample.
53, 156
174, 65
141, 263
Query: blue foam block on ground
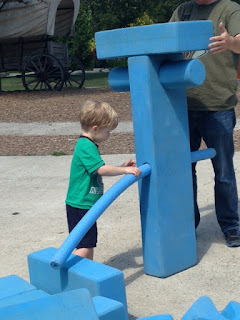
22, 298
74, 305
160, 317
108, 309
13, 285
99, 279
203, 309
232, 311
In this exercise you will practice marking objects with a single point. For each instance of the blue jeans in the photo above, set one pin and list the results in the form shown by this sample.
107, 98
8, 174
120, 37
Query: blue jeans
216, 129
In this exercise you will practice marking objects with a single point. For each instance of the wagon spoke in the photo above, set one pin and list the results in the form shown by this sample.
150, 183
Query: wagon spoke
39, 63
75, 81
35, 65
45, 85
48, 65
66, 84
31, 82
36, 85
29, 69
57, 83
53, 70
49, 85
45, 63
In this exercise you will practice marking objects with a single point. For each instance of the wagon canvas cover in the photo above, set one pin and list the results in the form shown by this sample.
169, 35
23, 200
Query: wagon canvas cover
33, 19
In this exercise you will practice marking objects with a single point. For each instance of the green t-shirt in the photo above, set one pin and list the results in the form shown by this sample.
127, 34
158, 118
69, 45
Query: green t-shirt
218, 92
85, 184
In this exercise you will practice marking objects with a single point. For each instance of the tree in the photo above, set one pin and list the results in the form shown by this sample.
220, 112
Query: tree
99, 15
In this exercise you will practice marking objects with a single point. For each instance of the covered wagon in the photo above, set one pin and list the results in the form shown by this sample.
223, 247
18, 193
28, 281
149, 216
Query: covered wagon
28, 46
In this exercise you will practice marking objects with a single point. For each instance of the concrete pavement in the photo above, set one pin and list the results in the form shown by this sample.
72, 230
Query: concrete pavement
32, 217
58, 128
52, 128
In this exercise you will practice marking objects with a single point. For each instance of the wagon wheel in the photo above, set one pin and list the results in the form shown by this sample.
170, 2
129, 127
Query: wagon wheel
75, 74
43, 72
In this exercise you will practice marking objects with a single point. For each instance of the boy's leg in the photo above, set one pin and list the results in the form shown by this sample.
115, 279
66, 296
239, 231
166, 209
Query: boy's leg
84, 253
86, 246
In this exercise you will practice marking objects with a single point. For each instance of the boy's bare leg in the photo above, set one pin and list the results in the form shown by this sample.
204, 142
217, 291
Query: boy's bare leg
84, 253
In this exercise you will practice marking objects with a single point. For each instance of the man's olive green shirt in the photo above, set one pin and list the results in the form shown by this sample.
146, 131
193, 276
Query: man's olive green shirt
218, 92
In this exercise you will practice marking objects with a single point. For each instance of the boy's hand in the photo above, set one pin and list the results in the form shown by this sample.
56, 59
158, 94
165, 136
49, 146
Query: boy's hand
129, 163
132, 170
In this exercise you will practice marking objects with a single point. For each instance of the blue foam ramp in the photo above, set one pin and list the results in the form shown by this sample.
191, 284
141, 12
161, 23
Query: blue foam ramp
22, 298
76, 272
74, 305
108, 309
232, 311
13, 285
159, 38
203, 309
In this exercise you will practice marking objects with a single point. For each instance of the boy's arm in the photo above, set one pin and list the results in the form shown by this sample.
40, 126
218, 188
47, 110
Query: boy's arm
107, 170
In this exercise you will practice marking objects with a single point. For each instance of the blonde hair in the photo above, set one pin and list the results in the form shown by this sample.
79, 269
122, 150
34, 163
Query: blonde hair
95, 113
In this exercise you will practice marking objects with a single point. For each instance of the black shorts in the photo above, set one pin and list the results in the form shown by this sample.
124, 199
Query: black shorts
74, 215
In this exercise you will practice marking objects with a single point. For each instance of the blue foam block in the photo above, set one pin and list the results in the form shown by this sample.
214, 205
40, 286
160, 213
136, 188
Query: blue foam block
108, 309
162, 140
72, 305
159, 38
160, 317
22, 298
13, 285
76, 272
232, 311
203, 309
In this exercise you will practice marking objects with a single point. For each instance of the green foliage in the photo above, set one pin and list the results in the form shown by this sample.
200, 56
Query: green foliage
161, 11
142, 21
99, 15
81, 44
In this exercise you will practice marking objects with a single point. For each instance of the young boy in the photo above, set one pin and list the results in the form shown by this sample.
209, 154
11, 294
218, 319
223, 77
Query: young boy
97, 119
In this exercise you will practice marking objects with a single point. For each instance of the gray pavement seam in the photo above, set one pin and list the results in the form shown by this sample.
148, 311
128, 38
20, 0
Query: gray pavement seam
52, 128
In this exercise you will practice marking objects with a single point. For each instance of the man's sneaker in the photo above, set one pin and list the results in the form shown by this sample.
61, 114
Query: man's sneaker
232, 238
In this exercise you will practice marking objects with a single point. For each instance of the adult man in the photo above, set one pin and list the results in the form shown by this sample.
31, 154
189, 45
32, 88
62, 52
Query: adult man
211, 106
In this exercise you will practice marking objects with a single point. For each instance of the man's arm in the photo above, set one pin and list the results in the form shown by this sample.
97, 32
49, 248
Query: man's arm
224, 42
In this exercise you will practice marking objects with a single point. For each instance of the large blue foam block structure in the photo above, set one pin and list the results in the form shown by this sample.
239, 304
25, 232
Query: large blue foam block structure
157, 77
100, 280
82, 289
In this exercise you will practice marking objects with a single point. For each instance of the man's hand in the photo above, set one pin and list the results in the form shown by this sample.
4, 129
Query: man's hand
224, 42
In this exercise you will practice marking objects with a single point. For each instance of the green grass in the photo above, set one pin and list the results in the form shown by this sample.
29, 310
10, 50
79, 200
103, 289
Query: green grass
96, 80
91, 80
58, 153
